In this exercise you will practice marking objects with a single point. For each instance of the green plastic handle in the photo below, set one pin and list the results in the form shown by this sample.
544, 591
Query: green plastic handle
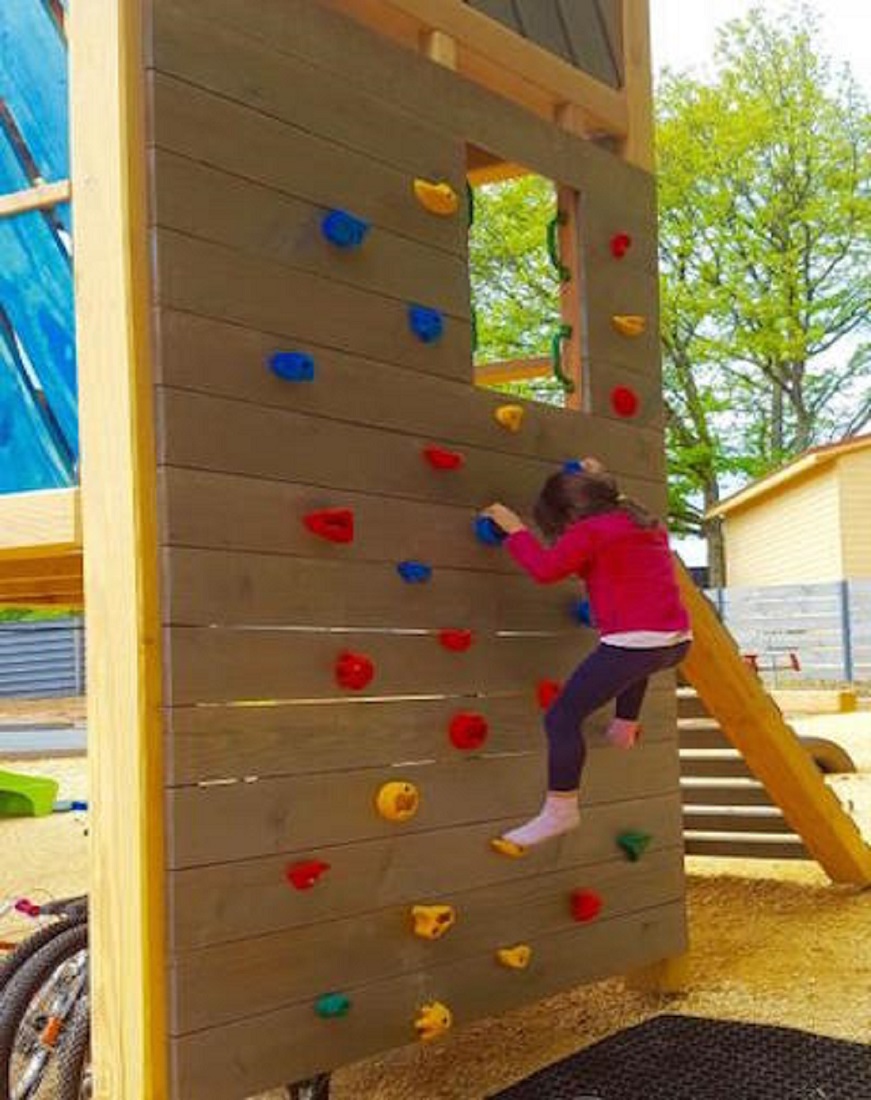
470, 202
560, 218
564, 332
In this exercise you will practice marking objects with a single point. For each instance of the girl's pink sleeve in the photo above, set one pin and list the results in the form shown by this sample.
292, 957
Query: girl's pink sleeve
569, 554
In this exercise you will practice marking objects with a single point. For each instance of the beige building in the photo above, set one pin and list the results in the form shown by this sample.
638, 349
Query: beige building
805, 523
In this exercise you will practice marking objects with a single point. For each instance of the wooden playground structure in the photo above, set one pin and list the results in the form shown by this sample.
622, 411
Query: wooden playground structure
298, 749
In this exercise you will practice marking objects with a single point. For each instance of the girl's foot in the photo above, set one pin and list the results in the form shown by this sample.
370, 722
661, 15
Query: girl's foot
623, 733
559, 815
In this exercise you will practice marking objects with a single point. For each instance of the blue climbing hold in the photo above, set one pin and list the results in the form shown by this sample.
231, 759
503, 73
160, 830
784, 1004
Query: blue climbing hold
292, 366
414, 572
573, 466
426, 324
344, 230
582, 611
488, 531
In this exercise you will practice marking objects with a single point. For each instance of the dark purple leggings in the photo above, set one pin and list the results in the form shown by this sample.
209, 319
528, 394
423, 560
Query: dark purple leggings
610, 672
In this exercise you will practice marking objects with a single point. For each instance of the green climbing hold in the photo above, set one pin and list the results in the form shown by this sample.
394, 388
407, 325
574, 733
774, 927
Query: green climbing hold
333, 1004
634, 844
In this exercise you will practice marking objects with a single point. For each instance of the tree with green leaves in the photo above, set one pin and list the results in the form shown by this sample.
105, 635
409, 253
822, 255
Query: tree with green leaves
765, 242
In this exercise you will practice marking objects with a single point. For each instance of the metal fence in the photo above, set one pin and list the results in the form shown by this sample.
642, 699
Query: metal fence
42, 659
827, 627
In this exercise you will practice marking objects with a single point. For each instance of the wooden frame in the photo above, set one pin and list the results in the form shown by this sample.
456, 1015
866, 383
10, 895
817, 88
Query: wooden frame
42, 196
40, 548
127, 915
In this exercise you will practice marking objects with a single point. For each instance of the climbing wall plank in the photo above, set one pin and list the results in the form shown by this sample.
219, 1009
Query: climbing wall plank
224, 902
215, 206
294, 813
216, 985
227, 1062
613, 289
209, 743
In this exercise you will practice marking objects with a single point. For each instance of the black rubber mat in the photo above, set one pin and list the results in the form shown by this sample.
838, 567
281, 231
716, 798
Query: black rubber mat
686, 1058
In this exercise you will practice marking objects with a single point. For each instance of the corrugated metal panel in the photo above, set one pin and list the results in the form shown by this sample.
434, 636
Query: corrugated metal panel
586, 33
42, 659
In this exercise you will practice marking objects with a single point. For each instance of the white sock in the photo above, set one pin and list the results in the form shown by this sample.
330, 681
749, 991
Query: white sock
623, 733
558, 815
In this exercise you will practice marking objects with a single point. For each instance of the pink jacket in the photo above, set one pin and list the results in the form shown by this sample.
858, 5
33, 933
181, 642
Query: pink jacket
628, 571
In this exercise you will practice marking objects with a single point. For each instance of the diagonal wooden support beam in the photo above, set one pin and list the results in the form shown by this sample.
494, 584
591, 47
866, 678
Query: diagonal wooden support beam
751, 720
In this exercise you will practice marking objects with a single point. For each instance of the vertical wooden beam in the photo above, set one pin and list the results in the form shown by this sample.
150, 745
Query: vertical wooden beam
638, 148
112, 280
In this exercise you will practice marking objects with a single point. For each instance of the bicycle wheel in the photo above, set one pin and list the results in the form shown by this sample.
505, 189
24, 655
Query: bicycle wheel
27, 948
73, 1066
20, 991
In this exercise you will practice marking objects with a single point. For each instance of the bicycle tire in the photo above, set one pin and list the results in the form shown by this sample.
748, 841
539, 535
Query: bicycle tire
24, 986
73, 1056
29, 947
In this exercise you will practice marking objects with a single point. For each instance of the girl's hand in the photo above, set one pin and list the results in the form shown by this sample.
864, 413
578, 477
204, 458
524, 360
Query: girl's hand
503, 517
592, 465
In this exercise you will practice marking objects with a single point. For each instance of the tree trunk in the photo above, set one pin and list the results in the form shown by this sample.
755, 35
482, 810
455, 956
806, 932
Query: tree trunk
713, 530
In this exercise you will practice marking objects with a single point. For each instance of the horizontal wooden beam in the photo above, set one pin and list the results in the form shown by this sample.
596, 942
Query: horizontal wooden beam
512, 370
38, 197
39, 524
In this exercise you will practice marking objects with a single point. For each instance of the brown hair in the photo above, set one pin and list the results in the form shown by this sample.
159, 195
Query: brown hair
571, 496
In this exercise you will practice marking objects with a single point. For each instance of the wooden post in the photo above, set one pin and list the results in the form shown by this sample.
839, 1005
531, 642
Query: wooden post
128, 959
638, 148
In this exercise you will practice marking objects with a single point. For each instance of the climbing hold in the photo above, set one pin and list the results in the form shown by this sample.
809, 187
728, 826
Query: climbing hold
624, 401
432, 1020
620, 244
437, 198
573, 466
344, 230
27, 908
441, 459
426, 324
457, 641
468, 731
629, 324
354, 670
546, 691
515, 958
414, 572
586, 905
510, 417
292, 366
582, 611
634, 843
432, 921
398, 800
488, 531
332, 524
507, 847
305, 874
331, 1005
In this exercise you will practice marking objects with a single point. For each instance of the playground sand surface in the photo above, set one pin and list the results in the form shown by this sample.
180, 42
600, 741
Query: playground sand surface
771, 943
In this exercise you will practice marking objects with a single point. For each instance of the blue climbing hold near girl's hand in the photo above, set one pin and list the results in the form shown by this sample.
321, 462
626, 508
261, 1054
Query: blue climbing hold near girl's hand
573, 466
426, 324
344, 230
488, 531
292, 366
582, 611
414, 572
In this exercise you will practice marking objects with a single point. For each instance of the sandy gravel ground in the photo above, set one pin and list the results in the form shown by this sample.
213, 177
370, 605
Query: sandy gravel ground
771, 943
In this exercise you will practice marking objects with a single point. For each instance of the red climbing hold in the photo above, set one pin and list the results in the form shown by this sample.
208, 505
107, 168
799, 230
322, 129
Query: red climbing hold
458, 641
304, 875
354, 670
442, 459
332, 524
586, 905
624, 401
620, 245
546, 692
468, 731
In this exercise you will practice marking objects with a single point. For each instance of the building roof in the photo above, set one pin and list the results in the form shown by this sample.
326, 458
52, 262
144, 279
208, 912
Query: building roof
809, 462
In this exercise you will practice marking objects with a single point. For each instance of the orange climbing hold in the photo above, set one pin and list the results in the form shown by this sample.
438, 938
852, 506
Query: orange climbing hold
510, 417
515, 958
433, 1019
437, 198
432, 921
332, 524
629, 324
398, 800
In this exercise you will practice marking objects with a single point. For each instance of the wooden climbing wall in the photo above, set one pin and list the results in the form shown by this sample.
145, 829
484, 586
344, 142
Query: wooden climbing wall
263, 117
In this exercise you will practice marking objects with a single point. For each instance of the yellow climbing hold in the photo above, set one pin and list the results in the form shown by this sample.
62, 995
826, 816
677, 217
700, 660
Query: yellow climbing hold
510, 417
515, 958
629, 324
398, 800
432, 921
433, 1019
507, 847
437, 198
